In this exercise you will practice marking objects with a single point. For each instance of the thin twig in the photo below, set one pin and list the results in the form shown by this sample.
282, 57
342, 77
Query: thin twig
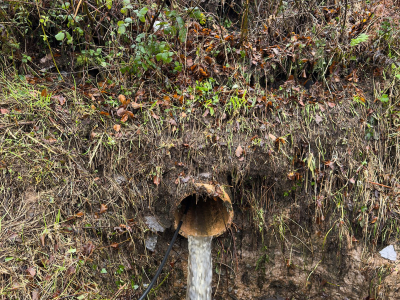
386, 186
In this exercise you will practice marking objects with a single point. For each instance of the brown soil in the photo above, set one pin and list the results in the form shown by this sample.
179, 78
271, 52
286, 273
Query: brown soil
312, 171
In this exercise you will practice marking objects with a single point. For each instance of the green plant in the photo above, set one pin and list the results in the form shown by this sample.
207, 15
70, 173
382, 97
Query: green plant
384, 98
359, 99
146, 48
26, 58
236, 103
363, 37
91, 57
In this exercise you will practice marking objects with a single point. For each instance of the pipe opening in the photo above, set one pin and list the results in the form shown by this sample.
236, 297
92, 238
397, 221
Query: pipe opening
206, 216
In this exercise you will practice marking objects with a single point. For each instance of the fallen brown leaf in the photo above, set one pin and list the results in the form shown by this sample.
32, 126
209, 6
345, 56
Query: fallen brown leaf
157, 180
31, 272
239, 151
155, 116
117, 127
42, 239
70, 270
318, 119
272, 137
124, 118
35, 294
88, 248
121, 111
122, 99
103, 208
60, 98
136, 105
4, 111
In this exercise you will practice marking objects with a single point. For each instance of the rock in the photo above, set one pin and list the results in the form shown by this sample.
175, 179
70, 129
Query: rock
389, 253
151, 242
153, 224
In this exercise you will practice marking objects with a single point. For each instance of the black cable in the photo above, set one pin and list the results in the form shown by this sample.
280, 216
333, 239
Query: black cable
165, 257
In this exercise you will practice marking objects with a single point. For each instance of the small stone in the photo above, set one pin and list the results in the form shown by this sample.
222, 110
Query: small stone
389, 253
153, 224
151, 242
119, 179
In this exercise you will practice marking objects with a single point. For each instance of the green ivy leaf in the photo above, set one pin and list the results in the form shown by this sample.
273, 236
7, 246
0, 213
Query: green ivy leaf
182, 29
384, 98
60, 36
109, 3
159, 56
121, 29
65, 5
141, 14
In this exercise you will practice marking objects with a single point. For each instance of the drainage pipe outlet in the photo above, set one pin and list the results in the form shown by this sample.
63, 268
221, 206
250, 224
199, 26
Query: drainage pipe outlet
209, 213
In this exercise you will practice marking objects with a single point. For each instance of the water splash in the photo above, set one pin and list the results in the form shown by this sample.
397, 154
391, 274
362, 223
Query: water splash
200, 268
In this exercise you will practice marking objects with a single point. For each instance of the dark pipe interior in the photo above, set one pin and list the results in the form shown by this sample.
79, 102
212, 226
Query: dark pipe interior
207, 216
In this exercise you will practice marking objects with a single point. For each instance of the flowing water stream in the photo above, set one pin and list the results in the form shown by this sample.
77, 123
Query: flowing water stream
200, 268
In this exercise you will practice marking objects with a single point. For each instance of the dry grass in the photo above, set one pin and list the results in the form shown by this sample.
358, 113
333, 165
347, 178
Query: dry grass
318, 171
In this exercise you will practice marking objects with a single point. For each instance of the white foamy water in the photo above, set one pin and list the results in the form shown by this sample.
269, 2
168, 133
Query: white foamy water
200, 268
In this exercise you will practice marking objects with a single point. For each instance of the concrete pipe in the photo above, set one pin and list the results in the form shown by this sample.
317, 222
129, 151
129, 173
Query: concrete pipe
210, 211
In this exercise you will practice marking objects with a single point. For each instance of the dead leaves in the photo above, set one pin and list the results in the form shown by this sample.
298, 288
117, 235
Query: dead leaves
135, 105
4, 111
239, 151
44, 93
318, 119
294, 176
374, 219
156, 180
60, 99
35, 294
154, 115
117, 127
124, 114
103, 208
123, 100
41, 237
331, 104
31, 272
114, 245
272, 137
88, 249
71, 270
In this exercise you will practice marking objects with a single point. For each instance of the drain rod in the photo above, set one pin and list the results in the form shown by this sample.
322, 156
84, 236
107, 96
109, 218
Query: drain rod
165, 257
